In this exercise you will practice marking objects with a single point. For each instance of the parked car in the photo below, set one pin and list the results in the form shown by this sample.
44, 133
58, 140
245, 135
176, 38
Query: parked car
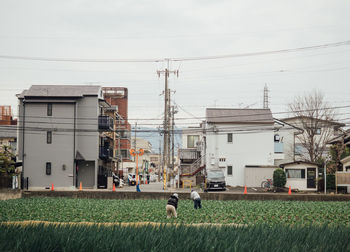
215, 180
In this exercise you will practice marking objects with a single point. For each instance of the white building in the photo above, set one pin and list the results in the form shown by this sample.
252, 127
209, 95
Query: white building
237, 138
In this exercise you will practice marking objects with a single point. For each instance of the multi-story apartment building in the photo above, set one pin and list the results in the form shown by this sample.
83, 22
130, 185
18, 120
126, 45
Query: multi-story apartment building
8, 129
118, 97
61, 138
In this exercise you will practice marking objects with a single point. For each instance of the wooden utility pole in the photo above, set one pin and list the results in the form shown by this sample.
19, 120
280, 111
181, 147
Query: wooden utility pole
166, 124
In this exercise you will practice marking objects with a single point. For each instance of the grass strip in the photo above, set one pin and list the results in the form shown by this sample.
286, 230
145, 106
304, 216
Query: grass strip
164, 237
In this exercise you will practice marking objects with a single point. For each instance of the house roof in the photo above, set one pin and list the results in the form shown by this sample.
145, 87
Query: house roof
298, 162
60, 91
339, 139
345, 160
224, 115
285, 123
312, 118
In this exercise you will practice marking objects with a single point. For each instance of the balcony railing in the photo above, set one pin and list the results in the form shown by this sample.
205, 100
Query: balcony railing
105, 122
189, 154
105, 152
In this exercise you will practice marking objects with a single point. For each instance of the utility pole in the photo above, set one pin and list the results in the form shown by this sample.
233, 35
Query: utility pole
135, 139
173, 112
166, 124
120, 159
160, 162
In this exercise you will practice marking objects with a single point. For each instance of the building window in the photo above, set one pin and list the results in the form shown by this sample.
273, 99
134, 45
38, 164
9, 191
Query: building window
48, 168
49, 109
192, 141
124, 153
295, 173
49, 137
222, 159
229, 170
318, 131
229, 137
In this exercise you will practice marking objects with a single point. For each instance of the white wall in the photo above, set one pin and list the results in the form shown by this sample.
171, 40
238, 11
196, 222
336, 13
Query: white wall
247, 148
300, 183
254, 176
287, 138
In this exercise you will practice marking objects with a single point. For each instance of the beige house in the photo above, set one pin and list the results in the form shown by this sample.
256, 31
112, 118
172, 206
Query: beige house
301, 175
321, 131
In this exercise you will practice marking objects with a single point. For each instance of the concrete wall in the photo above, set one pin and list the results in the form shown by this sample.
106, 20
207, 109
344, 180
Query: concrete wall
184, 196
300, 183
38, 152
87, 120
254, 176
247, 148
61, 152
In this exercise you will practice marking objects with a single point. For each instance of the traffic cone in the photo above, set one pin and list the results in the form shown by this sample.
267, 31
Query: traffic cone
290, 191
146, 181
81, 186
113, 187
52, 187
245, 190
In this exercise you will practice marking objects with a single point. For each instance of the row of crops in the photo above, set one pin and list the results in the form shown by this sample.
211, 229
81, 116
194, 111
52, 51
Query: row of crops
172, 238
224, 212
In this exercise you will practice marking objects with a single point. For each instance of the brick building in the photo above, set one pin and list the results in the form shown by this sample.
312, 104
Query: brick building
118, 96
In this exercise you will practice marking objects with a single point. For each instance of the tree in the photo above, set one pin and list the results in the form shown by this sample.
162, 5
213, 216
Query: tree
7, 165
316, 117
279, 178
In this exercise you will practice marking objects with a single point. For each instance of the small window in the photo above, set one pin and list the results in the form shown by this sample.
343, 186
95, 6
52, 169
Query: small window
49, 109
229, 137
229, 170
318, 131
48, 168
295, 173
49, 137
192, 141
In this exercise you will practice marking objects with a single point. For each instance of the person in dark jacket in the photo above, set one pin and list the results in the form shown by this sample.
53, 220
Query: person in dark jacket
172, 206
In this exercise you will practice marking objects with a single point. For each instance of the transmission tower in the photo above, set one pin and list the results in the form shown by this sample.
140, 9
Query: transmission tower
266, 97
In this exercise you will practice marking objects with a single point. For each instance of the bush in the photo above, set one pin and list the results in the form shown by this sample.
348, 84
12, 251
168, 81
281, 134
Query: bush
279, 178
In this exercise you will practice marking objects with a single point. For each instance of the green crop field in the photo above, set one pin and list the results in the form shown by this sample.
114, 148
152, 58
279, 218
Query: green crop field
65, 224
239, 212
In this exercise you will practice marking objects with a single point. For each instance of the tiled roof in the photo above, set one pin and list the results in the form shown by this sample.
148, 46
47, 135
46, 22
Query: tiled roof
223, 115
60, 91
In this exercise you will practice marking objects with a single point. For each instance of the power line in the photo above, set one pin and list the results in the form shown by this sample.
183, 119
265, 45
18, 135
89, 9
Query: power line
145, 60
191, 118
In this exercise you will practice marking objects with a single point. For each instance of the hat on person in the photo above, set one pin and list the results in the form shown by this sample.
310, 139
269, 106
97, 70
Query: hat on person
176, 195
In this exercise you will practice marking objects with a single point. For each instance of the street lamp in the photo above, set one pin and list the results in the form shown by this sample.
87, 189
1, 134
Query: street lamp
137, 154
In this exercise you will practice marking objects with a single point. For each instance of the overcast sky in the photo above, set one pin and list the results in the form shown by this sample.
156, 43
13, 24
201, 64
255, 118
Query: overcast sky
118, 29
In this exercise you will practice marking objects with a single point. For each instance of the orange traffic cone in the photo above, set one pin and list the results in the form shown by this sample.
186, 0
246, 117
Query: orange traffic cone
245, 190
146, 181
113, 187
52, 187
290, 191
81, 186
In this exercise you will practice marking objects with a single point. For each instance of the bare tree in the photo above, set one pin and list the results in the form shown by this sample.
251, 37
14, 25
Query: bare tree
316, 117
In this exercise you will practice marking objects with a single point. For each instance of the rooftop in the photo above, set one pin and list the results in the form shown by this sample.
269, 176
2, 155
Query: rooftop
225, 115
60, 91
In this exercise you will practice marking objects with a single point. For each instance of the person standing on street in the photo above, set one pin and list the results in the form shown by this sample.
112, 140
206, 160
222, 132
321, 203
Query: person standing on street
196, 199
172, 206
